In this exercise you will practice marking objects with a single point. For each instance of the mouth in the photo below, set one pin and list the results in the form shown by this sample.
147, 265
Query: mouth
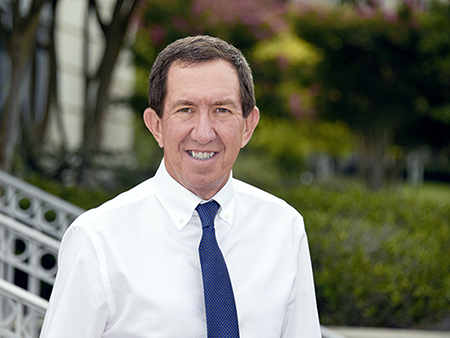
201, 155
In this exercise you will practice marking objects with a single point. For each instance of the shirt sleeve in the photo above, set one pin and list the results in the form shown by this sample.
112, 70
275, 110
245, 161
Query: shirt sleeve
302, 319
79, 304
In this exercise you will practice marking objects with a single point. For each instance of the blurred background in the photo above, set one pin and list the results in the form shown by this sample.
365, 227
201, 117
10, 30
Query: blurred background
355, 126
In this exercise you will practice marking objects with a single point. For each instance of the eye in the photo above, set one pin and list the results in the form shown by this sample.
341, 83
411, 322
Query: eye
185, 110
222, 110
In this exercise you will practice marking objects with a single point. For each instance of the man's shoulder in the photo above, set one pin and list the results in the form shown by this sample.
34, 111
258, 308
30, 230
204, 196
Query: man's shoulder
123, 201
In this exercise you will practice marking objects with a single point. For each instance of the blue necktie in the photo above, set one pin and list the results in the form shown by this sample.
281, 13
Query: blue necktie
221, 316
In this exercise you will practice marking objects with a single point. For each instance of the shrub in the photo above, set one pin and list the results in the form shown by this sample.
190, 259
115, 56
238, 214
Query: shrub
380, 259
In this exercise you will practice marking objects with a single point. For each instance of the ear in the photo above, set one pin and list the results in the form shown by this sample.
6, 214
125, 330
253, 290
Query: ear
250, 124
153, 123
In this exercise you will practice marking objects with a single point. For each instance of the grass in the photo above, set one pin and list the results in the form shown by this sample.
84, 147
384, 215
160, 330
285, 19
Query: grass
436, 191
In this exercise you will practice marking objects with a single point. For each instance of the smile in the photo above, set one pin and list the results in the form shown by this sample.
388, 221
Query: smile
200, 155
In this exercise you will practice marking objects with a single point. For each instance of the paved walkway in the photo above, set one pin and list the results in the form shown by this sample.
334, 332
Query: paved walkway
357, 332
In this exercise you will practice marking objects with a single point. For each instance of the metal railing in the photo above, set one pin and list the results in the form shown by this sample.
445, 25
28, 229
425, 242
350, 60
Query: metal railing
27, 257
32, 223
21, 312
35, 207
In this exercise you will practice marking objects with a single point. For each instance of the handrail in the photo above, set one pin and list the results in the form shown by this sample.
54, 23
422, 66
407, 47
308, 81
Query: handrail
35, 207
30, 233
10, 290
22, 313
29, 252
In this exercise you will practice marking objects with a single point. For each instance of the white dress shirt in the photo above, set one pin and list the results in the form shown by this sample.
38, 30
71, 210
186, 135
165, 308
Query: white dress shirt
130, 268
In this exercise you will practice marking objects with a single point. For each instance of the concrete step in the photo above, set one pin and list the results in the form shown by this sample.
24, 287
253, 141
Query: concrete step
362, 332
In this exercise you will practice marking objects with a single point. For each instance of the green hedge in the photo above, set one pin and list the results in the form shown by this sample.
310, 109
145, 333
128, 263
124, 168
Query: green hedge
380, 259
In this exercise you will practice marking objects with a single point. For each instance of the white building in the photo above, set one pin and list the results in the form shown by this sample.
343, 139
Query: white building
118, 125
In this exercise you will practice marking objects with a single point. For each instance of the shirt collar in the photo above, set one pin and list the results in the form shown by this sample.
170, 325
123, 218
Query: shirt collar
180, 203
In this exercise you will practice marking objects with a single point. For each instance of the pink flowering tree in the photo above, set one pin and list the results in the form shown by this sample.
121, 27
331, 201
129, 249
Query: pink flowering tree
386, 75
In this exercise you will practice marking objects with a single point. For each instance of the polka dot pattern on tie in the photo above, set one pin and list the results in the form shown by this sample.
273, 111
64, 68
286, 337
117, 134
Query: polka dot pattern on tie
221, 315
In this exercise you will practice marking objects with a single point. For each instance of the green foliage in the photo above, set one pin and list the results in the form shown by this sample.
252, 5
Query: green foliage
302, 138
282, 67
280, 145
84, 198
384, 73
380, 259
433, 191
258, 169
289, 46
381, 68
365, 61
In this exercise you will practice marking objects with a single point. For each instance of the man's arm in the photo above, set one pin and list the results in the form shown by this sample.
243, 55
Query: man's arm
78, 305
302, 318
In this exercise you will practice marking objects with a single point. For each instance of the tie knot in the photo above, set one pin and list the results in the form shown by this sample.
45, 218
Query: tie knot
207, 213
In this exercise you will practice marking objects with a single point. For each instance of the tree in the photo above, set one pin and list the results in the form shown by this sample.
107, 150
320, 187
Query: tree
19, 24
98, 76
378, 74
31, 95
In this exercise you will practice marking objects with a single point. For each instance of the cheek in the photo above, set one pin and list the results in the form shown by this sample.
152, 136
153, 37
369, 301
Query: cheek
233, 141
173, 134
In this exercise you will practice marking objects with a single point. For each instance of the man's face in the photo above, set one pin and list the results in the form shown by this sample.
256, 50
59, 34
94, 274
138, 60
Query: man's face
202, 128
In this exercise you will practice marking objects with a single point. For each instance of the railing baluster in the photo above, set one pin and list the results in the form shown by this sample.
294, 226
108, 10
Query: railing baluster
32, 222
35, 207
21, 313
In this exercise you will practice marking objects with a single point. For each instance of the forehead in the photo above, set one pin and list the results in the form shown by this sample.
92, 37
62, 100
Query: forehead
206, 80
218, 69
212, 62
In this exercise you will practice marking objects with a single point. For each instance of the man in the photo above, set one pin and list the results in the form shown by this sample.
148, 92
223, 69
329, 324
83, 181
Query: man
191, 252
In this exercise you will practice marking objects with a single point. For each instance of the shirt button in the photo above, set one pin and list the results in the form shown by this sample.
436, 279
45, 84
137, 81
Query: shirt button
227, 215
180, 220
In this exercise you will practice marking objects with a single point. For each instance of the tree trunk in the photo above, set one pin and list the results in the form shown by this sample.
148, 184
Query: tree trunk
97, 85
20, 45
34, 126
373, 151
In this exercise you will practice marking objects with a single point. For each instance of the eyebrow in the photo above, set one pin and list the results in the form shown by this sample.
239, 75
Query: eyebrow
187, 102
225, 102
183, 102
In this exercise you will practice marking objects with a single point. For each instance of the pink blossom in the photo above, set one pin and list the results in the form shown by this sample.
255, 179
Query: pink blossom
180, 23
295, 104
158, 33
283, 62
366, 12
390, 16
314, 90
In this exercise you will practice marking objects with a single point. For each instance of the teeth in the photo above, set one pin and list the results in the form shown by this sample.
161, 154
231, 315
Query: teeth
200, 155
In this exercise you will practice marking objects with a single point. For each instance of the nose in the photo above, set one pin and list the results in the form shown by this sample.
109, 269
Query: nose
203, 131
